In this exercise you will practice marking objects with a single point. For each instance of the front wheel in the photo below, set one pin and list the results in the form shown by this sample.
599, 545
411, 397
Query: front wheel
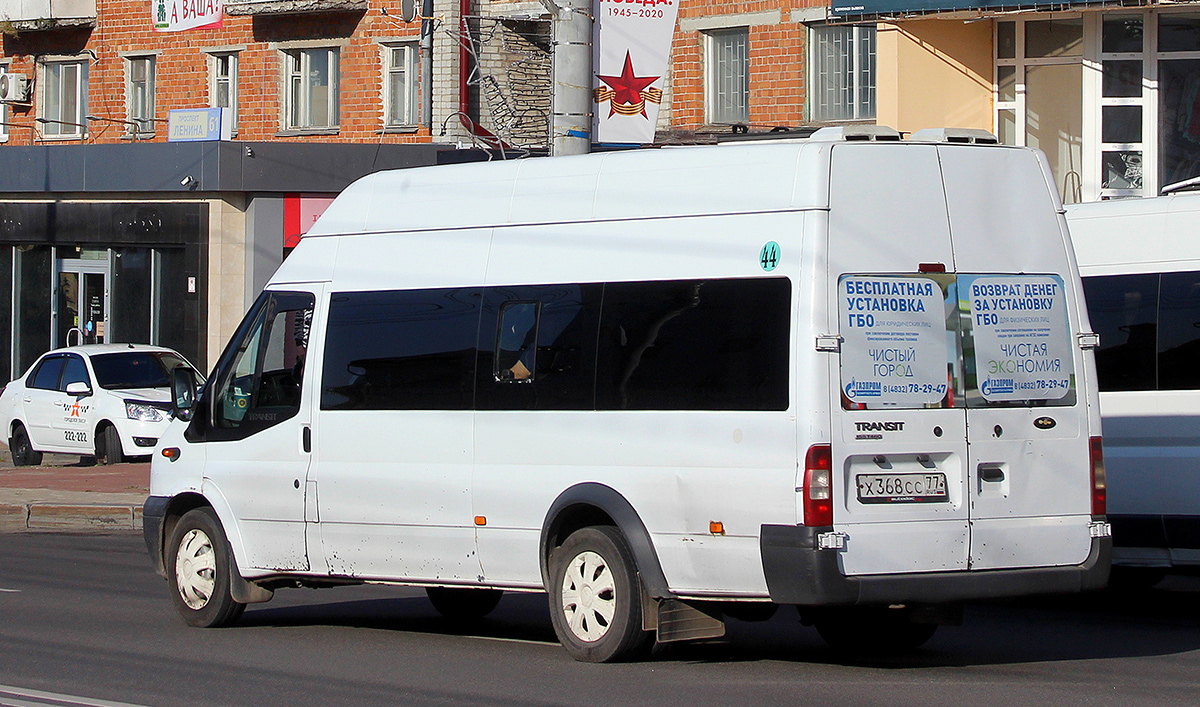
596, 597
200, 567
22, 450
109, 450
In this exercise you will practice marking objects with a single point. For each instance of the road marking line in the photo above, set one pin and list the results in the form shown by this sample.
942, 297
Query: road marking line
13, 591
512, 640
6, 690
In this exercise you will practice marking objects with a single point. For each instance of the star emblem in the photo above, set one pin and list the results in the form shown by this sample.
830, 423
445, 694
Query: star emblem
627, 87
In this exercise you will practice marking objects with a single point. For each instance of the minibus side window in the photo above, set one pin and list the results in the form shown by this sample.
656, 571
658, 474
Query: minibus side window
538, 347
516, 342
1179, 331
694, 345
1124, 311
259, 383
401, 350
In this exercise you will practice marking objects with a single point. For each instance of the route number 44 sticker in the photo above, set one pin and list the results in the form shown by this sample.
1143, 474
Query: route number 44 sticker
769, 256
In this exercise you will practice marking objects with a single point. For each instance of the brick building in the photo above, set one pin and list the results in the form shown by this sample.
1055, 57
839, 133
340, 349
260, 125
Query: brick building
109, 230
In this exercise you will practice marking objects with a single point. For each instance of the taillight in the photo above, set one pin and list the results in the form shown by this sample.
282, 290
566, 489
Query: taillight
818, 486
1099, 478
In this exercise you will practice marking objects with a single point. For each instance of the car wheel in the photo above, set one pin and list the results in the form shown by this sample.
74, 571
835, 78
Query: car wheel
199, 568
461, 604
872, 630
22, 450
109, 451
596, 597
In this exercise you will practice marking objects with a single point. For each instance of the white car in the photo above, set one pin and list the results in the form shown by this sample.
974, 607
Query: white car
110, 401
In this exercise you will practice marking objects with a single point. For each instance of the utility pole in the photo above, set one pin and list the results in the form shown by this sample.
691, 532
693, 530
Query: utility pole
571, 121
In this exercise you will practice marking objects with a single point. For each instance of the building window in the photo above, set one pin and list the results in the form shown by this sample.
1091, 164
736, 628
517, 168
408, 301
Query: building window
1039, 64
727, 76
223, 82
842, 61
400, 84
312, 89
1109, 97
64, 98
140, 92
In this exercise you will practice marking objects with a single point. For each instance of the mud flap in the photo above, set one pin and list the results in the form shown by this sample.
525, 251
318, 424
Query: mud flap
247, 592
679, 620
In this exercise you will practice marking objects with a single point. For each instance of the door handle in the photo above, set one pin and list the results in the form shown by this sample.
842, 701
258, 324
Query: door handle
29, 400
991, 472
307, 437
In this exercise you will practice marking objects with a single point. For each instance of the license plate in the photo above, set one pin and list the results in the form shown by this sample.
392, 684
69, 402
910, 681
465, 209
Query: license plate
902, 488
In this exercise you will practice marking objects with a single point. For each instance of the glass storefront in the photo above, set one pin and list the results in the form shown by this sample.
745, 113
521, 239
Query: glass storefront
126, 291
1113, 97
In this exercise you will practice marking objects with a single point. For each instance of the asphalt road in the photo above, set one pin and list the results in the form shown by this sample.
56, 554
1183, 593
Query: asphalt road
84, 621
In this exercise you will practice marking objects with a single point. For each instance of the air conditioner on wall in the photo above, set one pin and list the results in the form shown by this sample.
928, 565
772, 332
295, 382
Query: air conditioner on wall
14, 88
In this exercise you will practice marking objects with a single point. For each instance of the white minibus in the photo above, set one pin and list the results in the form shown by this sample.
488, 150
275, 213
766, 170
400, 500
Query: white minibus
1140, 260
851, 374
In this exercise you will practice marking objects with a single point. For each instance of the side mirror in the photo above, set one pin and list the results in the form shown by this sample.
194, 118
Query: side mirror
183, 393
79, 388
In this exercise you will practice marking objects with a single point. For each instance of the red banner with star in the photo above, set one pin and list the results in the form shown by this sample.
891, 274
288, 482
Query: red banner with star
632, 46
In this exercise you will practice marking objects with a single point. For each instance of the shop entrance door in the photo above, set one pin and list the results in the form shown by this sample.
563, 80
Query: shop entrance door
82, 302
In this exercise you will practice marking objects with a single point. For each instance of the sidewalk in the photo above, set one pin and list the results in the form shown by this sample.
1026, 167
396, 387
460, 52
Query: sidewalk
64, 495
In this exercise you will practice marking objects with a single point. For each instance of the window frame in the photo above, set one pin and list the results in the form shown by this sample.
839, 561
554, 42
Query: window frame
297, 95
410, 71
1092, 100
139, 94
819, 76
215, 79
262, 318
60, 126
716, 78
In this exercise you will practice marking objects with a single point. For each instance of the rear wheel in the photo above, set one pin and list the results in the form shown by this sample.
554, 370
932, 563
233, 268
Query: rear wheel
22, 451
109, 451
461, 604
199, 568
872, 630
596, 597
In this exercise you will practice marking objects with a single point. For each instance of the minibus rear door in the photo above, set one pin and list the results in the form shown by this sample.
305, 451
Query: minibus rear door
898, 443
900, 451
1030, 489
1028, 479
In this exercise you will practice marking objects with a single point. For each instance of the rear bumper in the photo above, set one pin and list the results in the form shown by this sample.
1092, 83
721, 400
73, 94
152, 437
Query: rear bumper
799, 573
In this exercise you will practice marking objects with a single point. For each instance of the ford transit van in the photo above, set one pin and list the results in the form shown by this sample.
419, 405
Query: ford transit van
851, 374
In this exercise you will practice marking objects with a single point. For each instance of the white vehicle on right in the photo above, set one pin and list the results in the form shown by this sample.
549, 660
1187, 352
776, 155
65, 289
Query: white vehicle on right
1140, 262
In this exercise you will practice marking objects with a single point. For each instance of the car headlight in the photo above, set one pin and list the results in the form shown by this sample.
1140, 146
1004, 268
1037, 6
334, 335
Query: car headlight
143, 412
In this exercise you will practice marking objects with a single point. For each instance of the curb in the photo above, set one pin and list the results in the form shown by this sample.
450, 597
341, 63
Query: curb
56, 516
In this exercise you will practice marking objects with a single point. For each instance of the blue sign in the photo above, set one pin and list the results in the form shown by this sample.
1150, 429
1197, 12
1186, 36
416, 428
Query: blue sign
199, 124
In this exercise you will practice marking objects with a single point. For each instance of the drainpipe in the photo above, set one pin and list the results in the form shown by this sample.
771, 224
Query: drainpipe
464, 78
427, 64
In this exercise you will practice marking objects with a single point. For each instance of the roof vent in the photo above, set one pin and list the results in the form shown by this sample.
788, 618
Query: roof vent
967, 136
856, 133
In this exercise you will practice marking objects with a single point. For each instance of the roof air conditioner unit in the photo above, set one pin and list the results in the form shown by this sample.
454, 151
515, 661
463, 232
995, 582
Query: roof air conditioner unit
14, 88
